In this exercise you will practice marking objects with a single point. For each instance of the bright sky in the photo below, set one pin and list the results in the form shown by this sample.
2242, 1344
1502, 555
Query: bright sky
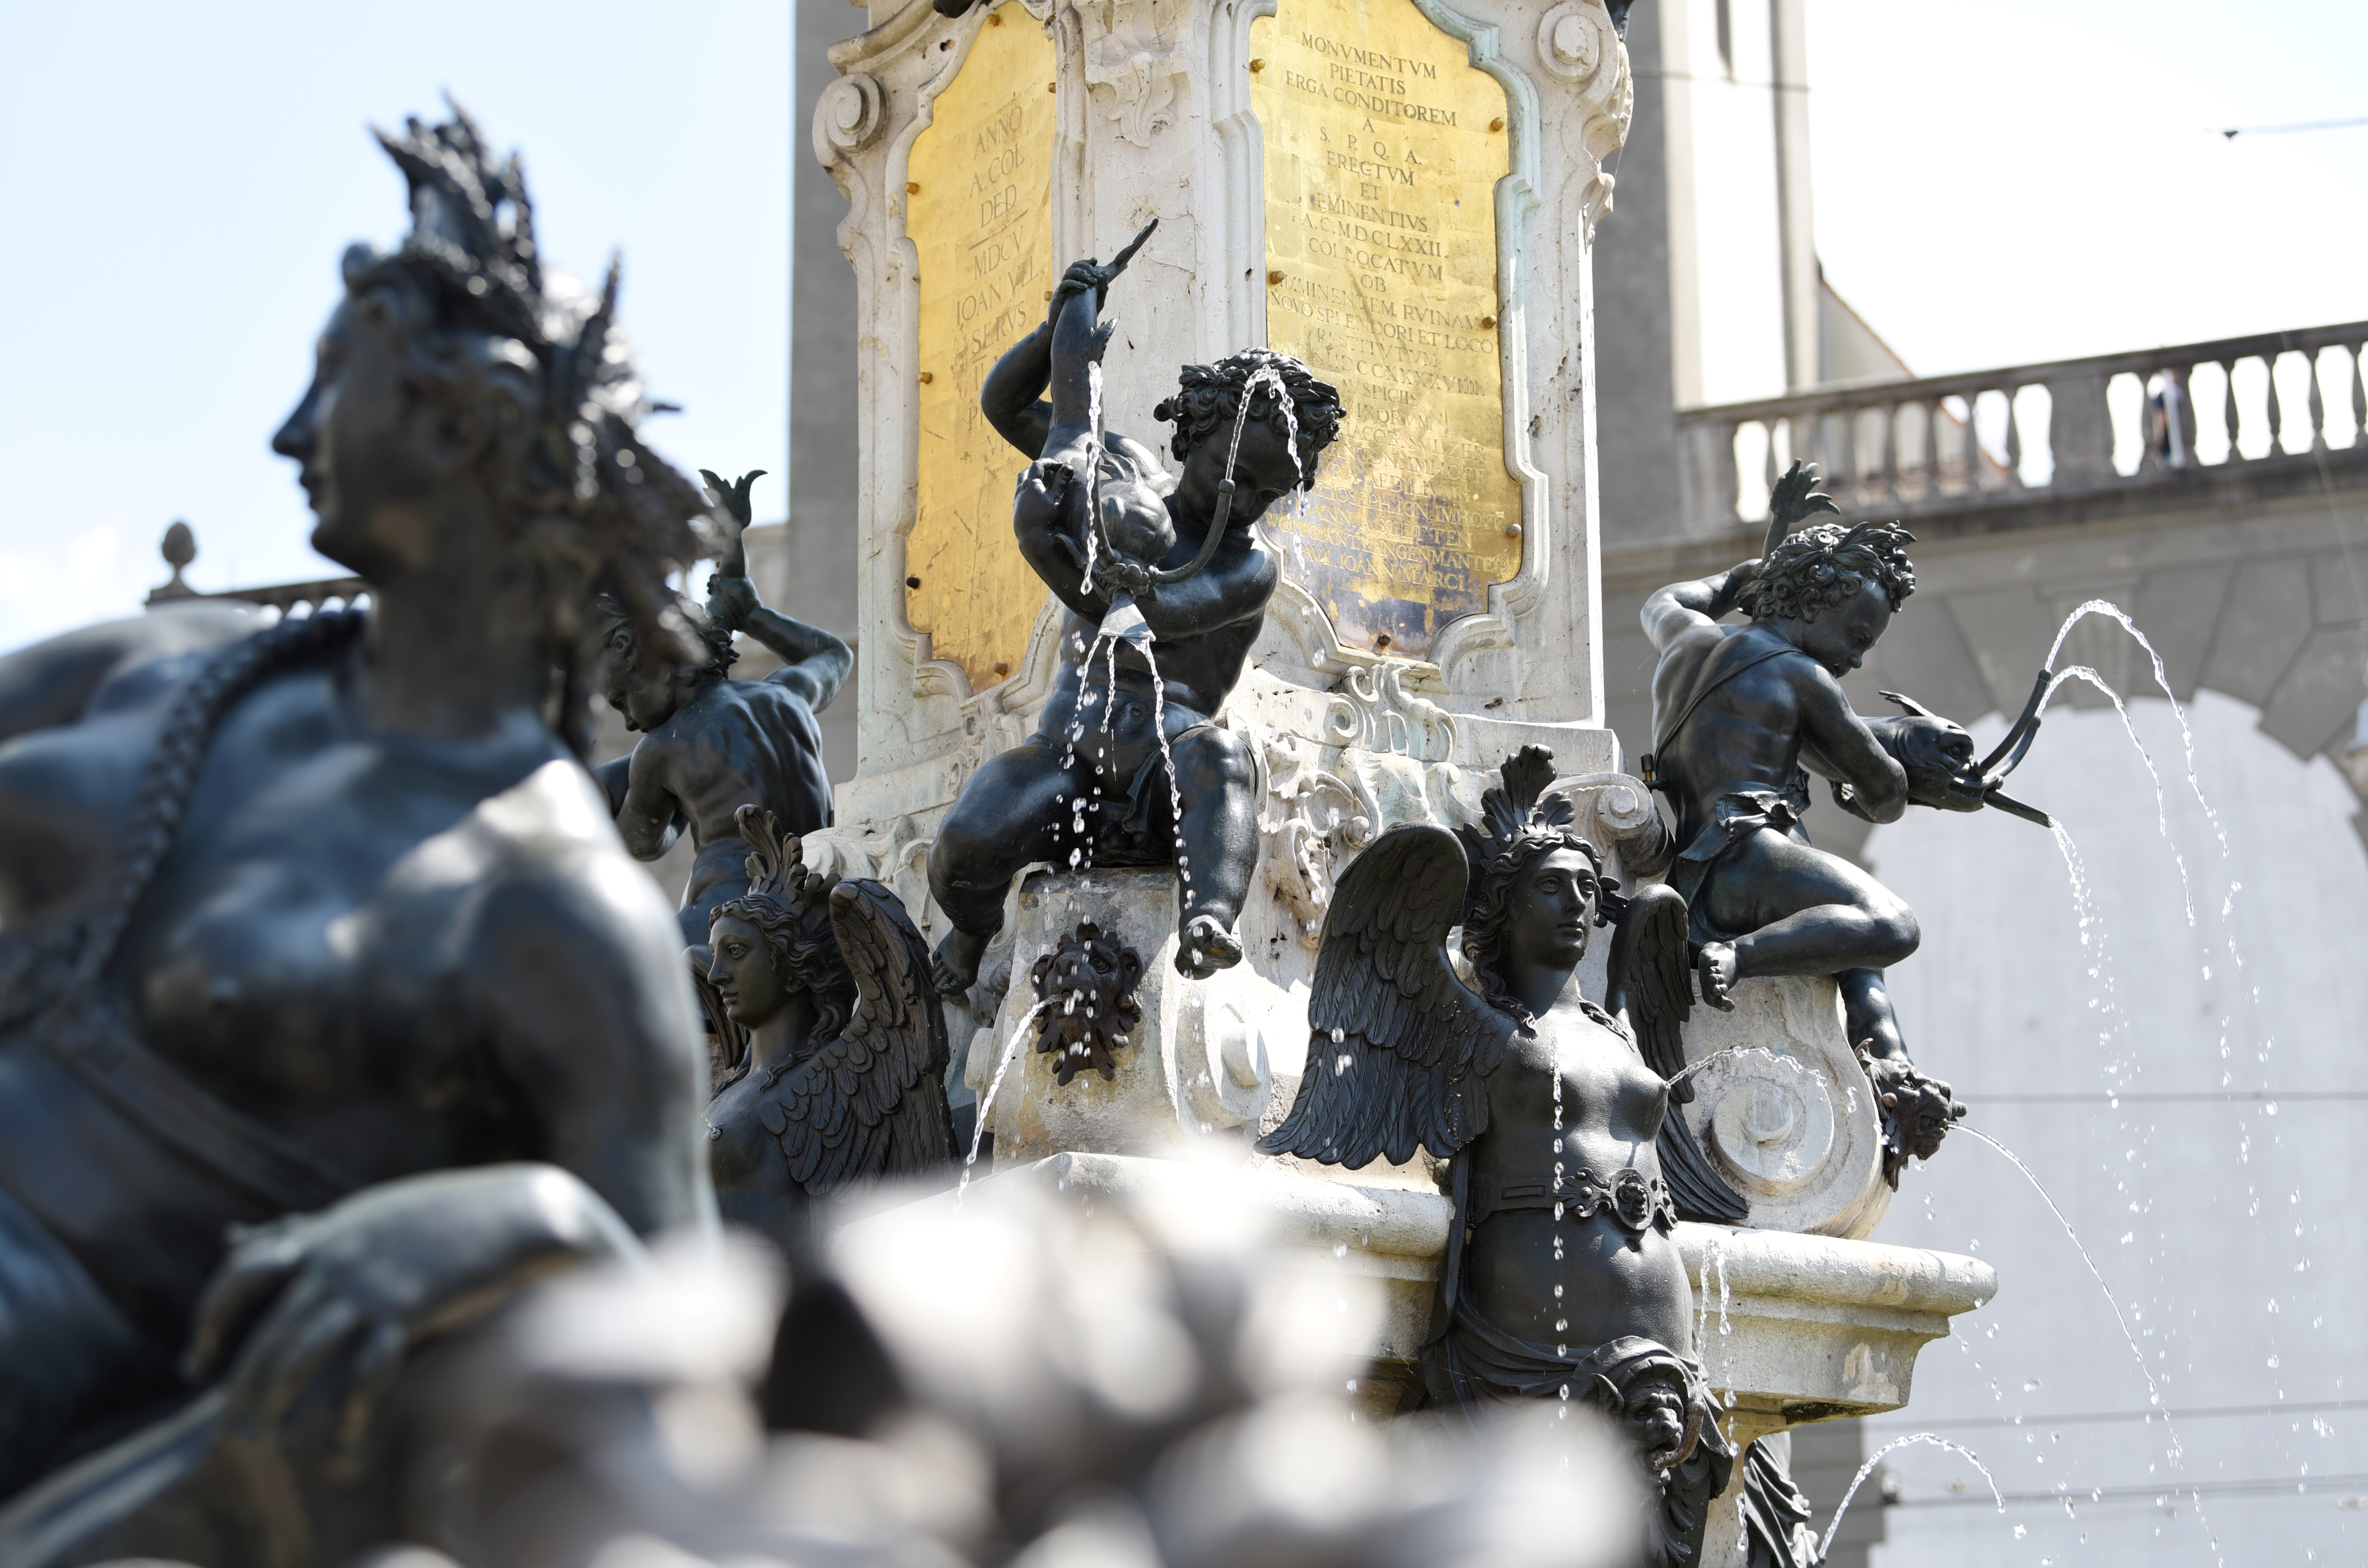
2021, 180
181, 180
1998, 183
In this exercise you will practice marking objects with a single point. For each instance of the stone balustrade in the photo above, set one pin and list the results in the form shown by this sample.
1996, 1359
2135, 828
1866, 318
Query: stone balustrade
277, 600
2119, 431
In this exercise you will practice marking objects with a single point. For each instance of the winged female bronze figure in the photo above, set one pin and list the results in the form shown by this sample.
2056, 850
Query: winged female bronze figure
843, 1078
1562, 1278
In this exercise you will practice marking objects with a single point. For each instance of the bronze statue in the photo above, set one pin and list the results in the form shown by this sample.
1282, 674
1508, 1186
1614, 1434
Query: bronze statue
1562, 1278
844, 1078
1741, 716
323, 1345
1097, 970
293, 912
711, 744
1158, 573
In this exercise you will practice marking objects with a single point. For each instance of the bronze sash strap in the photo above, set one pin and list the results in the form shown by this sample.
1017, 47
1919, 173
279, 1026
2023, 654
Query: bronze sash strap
103, 1088
97, 1045
1656, 777
1637, 1202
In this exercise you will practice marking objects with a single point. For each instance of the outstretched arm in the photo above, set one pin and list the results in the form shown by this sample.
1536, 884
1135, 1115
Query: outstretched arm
815, 661
1839, 743
1078, 340
1012, 395
649, 817
1684, 606
1048, 515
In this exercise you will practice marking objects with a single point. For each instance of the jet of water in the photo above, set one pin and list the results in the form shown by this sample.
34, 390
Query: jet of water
1167, 761
2162, 680
1868, 1468
2178, 1448
2161, 818
987, 1101
1691, 1068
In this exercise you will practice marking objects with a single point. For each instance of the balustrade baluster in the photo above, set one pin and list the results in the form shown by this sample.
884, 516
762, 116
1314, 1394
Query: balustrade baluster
1769, 471
1964, 468
2228, 408
2315, 406
2277, 420
2013, 442
2360, 406
1846, 480
1934, 417
1891, 482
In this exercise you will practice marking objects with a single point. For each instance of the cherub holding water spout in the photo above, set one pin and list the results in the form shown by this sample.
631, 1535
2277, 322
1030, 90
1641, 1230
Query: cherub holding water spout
1741, 716
1165, 584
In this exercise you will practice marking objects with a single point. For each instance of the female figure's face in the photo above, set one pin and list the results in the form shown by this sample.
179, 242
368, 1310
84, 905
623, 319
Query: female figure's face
743, 973
389, 462
1549, 910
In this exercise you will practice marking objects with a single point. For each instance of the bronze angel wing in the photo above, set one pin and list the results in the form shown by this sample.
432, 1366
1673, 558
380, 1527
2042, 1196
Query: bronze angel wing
872, 1102
1398, 1047
1652, 982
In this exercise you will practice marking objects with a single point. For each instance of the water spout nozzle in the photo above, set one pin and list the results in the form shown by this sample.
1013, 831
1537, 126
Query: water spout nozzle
1124, 622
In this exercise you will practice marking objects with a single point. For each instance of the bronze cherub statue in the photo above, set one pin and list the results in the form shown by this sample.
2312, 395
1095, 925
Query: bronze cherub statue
1165, 583
843, 1075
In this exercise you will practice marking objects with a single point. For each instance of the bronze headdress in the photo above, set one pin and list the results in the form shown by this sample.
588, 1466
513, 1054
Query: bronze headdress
791, 906
1520, 819
592, 498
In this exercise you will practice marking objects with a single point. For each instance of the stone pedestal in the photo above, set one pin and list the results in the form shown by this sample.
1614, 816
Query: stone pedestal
1785, 1110
1799, 1328
1195, 1066
1438, 598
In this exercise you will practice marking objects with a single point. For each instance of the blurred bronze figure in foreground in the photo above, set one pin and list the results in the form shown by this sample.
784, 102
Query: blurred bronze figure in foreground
293, 912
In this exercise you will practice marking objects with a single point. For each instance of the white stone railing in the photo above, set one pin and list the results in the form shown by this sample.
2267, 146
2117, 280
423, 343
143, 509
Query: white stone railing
2118, 423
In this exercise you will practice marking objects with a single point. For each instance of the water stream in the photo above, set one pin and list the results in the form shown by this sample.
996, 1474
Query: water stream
2162, 680
2178, 1448
987, 1101
2162, 816
1873, 1460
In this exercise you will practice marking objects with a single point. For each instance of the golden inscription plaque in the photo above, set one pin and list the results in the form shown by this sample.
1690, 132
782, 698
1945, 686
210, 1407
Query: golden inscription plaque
1383, 147
982, 221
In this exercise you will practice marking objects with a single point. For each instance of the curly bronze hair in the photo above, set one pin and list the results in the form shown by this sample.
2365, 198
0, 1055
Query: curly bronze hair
1210, 397
1823, 565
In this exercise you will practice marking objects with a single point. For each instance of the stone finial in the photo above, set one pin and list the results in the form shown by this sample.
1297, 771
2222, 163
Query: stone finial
179, 547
